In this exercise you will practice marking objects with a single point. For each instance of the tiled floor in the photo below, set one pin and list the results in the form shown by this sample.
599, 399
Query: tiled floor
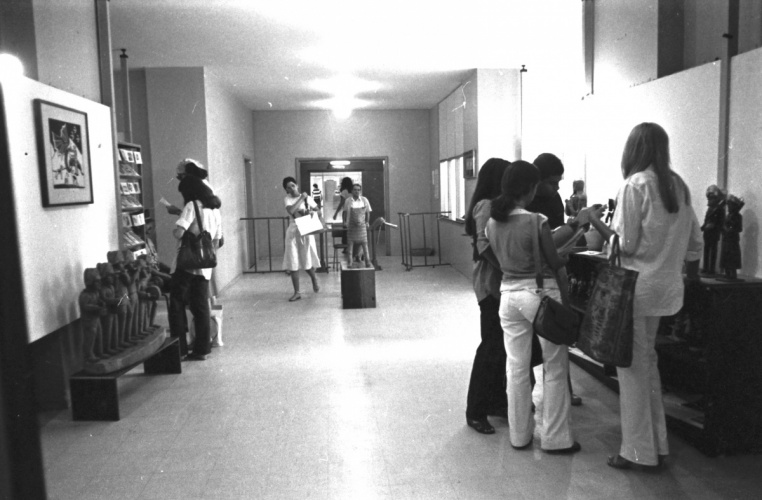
306, 400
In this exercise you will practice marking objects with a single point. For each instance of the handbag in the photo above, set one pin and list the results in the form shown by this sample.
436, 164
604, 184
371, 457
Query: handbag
606, 332
309, 224
554, 321
196, 250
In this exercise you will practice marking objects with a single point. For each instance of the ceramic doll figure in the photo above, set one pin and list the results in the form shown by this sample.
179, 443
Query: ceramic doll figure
109, 321
132, 270
92, 309
578, 200
714, 220
121, 291
148, 294
730, 257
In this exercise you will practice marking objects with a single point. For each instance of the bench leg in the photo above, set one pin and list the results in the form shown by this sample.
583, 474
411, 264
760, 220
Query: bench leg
166, 360
94, 399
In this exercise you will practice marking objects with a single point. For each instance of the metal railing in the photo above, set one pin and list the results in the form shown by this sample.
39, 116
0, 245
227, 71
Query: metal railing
407, 233
258, 226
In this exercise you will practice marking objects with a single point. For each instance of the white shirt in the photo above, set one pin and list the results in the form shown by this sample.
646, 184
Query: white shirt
655, 243
212, 222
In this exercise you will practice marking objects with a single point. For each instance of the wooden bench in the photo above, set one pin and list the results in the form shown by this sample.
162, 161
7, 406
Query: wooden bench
96, 397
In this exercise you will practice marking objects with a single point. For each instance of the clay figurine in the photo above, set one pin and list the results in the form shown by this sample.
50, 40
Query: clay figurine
578, 200
730, 257
91, 309
121, 291
714, 221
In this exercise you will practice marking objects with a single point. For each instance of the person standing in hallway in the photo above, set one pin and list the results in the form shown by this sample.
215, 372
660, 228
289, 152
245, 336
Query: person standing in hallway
548, 202
317, 196
486, 389
658, 233
300, 251
512, 232
190, 287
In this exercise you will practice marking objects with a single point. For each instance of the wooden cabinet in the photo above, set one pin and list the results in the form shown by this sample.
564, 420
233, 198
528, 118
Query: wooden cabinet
710, 360
134, 212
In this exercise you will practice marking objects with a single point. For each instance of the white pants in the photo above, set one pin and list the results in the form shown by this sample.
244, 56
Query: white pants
515, 306
644, 430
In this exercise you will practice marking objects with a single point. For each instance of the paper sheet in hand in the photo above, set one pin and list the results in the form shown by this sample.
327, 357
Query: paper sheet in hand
309, 224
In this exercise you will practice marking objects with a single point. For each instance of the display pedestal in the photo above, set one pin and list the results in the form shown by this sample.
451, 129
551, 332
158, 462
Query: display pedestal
358, 287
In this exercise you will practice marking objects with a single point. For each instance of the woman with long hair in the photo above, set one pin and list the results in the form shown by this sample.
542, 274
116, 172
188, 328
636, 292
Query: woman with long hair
658, 232
512, 232
190, 287
486, 390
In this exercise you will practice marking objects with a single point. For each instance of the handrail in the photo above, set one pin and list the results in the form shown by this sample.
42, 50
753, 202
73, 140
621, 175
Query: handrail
252, 247
406, 239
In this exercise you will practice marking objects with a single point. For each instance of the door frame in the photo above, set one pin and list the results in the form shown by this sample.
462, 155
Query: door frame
312, 168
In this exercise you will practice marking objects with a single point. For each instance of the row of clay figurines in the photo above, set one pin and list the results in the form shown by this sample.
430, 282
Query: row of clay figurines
723, 222
118, 304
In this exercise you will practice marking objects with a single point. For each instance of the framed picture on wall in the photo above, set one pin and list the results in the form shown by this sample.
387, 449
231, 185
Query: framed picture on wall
63, 145
469, 171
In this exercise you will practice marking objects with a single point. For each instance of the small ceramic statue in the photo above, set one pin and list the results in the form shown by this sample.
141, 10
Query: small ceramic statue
714, 220
132, 270
109, 321
730, 257
578, 200
91, 309
149, 294
121, 291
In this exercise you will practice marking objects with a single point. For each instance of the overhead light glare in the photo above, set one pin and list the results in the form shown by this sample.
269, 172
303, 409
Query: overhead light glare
340, 163
11, 65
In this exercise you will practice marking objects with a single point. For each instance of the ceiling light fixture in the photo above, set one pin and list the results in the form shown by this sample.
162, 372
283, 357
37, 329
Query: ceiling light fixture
340, 163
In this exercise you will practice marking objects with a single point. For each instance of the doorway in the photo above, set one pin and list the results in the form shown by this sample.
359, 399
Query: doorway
371, 173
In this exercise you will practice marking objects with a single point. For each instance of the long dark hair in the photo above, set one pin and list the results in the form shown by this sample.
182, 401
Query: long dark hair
648, 144
487, 187
193, 188
346, 184
518, 180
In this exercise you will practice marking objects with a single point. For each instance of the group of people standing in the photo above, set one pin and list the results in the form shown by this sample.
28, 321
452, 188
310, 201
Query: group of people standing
515, 205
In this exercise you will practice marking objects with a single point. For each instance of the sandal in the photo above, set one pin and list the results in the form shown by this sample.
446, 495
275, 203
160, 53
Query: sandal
480, 425
296, 296
619, 462
315, 287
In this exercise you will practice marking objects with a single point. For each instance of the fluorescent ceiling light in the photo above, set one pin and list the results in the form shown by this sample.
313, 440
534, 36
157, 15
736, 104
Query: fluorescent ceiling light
340, 163
11, 65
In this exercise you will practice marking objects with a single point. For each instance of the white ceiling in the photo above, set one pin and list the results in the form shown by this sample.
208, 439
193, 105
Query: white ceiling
398, 54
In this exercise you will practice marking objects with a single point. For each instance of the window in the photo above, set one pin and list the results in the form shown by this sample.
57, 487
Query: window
452, 186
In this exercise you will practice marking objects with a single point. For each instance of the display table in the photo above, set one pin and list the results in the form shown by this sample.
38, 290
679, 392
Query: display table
358, 287
710, 359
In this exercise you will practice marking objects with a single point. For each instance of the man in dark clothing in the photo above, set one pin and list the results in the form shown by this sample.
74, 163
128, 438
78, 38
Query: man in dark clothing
548, 202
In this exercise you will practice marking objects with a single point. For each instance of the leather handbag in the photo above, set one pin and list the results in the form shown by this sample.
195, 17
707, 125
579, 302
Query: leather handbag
606, 332
196, 250
554, 321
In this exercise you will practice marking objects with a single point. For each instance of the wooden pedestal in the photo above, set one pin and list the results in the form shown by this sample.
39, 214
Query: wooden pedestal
358, 287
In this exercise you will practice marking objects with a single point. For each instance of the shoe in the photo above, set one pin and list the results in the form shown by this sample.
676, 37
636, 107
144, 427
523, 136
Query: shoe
621, 463
296, 296
196, 357
315, 287
576, 400
523, 446
480, 425
574, 448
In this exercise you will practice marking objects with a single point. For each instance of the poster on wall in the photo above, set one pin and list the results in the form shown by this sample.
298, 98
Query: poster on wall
469, 170
64, 152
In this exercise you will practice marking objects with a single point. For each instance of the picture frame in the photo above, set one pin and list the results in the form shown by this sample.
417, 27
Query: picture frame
469, 168
63, 143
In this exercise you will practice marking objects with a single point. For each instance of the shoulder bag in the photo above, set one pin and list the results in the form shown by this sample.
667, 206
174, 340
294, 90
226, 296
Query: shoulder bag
196, 250
606, 332
554, 321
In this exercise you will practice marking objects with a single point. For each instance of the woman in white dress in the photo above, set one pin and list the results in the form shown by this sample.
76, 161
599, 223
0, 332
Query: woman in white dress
300, 251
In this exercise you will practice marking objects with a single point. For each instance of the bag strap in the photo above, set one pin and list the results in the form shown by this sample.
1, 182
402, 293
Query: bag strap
199, 220
536, 250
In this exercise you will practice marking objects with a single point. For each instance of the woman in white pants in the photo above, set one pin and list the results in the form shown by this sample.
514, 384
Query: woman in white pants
513, 233
658, 231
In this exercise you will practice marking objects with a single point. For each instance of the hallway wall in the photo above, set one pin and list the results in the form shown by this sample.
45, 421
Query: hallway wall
280, 137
